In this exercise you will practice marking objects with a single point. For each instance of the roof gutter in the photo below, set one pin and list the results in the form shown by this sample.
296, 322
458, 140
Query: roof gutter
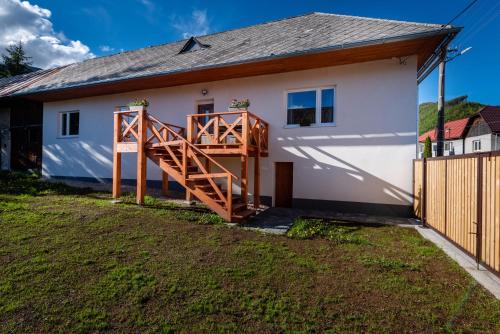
445, 30
433, 61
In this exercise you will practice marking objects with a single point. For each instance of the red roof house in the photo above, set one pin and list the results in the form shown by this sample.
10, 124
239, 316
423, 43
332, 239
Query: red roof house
452, 130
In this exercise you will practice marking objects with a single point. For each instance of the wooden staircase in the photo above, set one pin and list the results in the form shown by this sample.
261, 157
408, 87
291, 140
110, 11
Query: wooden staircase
165, 144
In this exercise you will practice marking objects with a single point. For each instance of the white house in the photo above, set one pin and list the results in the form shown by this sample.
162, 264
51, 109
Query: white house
483, 134
339, 94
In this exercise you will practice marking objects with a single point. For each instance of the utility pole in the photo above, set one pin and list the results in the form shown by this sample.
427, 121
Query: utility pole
440, 123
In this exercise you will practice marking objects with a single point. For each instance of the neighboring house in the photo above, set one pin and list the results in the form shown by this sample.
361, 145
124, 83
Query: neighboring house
483, 134
339, 94
454, 133
20, 124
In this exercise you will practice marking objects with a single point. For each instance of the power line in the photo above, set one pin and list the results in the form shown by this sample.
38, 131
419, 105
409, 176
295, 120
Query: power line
486, 14
429, 67
462, 12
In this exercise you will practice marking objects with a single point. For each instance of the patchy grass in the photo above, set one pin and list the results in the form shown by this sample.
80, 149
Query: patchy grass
338, 232
70, 261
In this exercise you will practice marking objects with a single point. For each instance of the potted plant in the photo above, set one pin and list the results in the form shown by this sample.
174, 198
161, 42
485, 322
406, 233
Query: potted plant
138, 104
239, 105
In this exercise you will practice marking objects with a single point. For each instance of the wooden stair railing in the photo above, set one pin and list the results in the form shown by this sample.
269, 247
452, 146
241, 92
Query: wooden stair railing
165, 145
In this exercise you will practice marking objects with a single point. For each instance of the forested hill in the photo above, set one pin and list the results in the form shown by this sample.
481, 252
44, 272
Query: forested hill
454, 109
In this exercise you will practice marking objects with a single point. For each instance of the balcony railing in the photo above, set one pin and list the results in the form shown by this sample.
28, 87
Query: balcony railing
234, 128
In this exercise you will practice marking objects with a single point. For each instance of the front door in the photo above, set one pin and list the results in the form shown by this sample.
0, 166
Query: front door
284, 184
206, 108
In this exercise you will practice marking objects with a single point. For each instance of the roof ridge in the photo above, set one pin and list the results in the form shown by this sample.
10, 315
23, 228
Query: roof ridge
437, 25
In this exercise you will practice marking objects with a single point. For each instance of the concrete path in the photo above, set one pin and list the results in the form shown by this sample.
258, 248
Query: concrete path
279, 220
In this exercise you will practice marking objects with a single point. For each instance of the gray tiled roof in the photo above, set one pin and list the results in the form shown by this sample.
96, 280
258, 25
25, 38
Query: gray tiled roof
306, 33
16, 83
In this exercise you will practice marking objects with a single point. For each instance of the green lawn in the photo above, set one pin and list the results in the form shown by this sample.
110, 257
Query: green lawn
70, 261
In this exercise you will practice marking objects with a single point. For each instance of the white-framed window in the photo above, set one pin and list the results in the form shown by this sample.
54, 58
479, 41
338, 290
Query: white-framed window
476, 145
314, 106
434, 150
448, 146
69, 123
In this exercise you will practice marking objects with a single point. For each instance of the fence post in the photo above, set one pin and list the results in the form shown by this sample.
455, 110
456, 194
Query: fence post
479, 209
446, 197
424, 192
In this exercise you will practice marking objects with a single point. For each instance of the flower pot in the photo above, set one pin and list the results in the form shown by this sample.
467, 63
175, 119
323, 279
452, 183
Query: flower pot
136, 108
231, 109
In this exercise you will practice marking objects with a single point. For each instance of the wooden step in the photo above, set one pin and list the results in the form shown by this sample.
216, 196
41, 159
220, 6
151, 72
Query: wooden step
239, 207
243, 215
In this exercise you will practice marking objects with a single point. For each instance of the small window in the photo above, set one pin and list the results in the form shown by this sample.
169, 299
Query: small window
476, 145
310, 107
448, 146
69, 123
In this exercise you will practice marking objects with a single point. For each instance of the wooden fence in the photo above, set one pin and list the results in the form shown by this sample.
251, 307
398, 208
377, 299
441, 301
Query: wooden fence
459, 196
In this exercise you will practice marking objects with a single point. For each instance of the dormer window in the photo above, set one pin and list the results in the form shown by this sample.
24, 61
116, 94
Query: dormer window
193, 44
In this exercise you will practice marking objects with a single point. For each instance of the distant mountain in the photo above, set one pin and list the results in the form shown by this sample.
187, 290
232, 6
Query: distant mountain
456, 108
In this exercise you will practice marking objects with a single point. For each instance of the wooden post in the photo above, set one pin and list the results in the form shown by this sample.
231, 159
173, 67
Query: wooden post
256, 170
117, 156
479, 210
141, 156
190, 129
189, 195
445, 197
244, 157
216, 129
230, 196
164, 175
164, 183
424, 192
244, 132
244, 178
440, 123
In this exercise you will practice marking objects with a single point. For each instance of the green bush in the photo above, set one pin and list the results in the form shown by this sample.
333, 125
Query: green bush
428, 148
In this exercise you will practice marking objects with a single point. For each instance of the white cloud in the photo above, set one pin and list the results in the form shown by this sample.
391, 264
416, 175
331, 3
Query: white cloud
148, 4
106, 48
30, 24
196, 24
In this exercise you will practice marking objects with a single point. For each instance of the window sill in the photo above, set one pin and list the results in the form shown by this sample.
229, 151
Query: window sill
322, 125
68, 137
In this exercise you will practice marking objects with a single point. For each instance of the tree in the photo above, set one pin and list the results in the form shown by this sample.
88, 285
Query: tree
15, 61
428, 148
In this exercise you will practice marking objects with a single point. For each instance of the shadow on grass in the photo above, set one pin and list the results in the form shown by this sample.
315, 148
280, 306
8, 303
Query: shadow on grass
21, 183
31, 184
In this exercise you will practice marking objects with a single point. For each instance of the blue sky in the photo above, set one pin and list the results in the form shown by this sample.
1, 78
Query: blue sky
107, 26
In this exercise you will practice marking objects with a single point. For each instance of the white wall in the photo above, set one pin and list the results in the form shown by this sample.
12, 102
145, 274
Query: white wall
4, 138
457, 145
366, 157
486, 143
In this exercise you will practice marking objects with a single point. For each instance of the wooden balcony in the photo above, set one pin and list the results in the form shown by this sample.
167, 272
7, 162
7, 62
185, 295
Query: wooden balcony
233, 133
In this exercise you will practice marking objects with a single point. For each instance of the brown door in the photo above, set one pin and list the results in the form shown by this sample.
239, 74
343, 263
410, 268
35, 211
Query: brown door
284, 184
